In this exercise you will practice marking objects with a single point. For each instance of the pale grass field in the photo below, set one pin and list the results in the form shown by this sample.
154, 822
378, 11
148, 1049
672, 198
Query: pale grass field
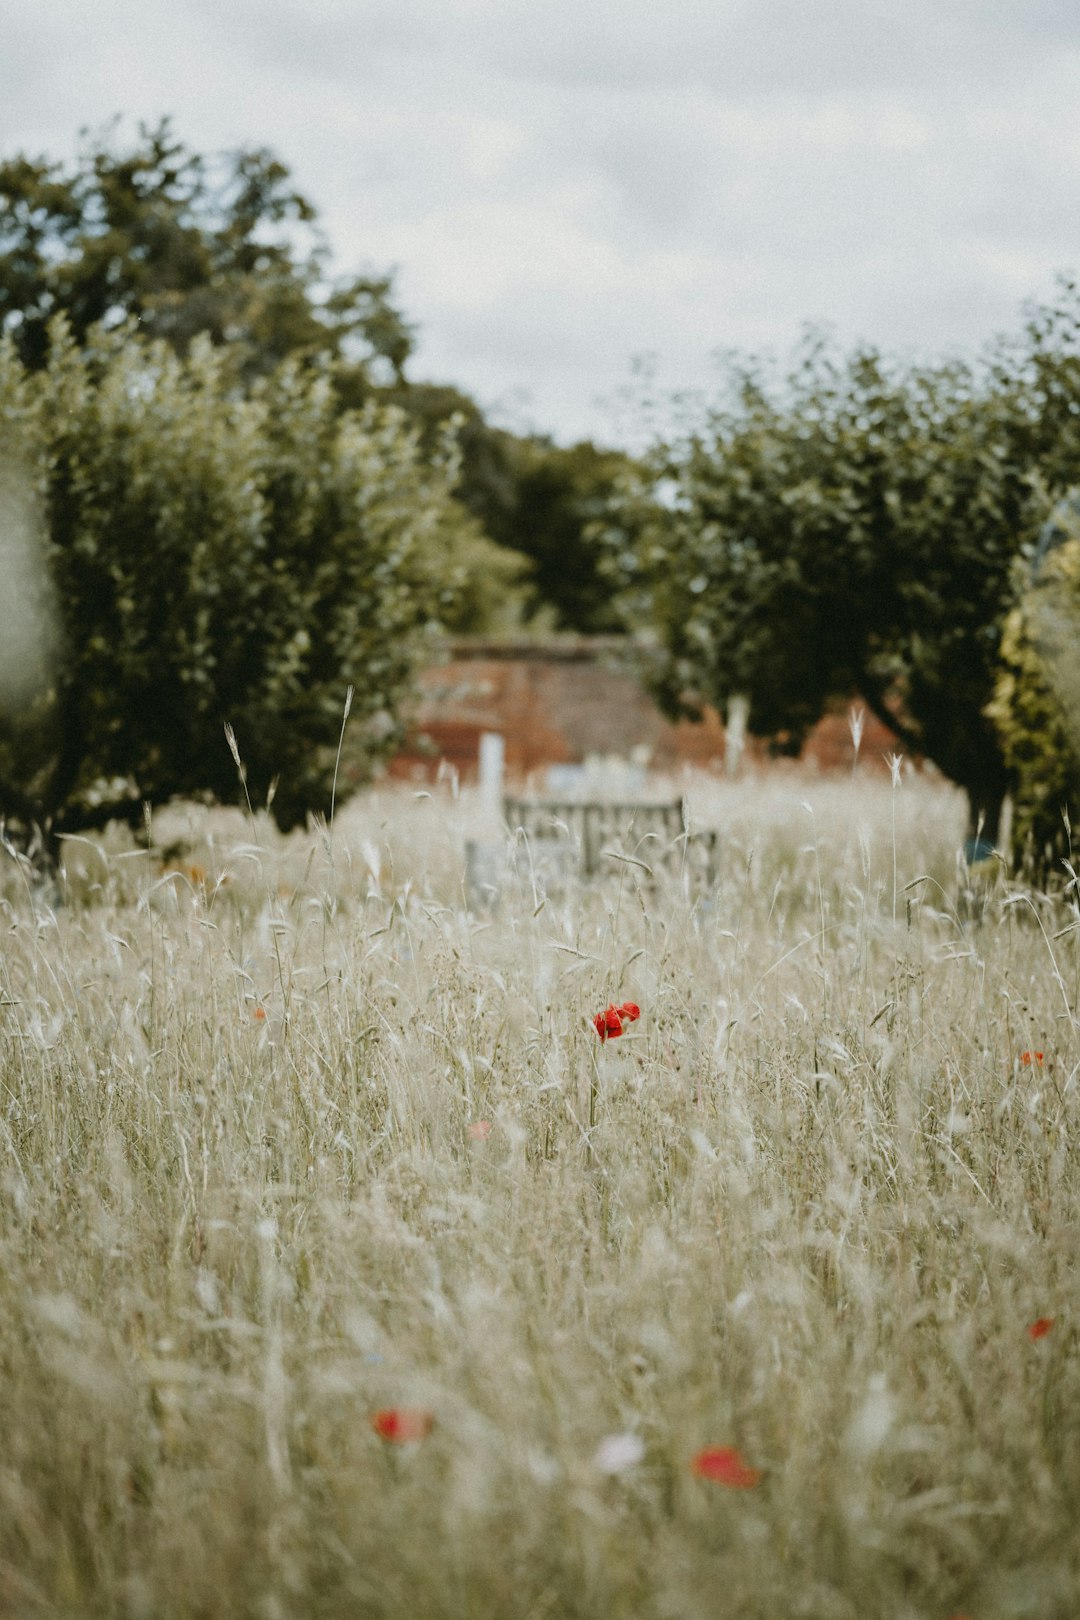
822, 1203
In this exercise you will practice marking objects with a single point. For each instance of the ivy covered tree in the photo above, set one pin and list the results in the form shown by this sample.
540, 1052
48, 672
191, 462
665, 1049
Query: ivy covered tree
1036, 701
852, 527
210, 557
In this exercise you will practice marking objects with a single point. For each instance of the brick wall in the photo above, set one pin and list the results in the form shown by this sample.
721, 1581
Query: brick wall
557, 702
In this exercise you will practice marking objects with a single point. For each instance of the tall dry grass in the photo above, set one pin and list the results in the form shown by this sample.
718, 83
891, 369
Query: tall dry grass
822, 1204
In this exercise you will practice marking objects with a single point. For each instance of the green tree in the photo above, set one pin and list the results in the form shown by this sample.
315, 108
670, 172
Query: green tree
541, 503
561, 498
212, 557
225, 247
852, 527
185, 245
492, 578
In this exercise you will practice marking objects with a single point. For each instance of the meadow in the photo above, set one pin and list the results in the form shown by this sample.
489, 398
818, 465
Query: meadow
346, 1271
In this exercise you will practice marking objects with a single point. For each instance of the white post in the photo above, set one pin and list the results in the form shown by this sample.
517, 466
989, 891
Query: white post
492, 765
485, 855
738, 711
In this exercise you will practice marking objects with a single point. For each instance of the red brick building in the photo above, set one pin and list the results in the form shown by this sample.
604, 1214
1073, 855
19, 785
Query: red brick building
564, 699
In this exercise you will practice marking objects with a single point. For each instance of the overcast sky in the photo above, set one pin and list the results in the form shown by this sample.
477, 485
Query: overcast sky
565, 185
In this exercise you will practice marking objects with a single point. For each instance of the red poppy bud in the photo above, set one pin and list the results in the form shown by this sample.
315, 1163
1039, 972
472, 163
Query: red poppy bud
1039, 1329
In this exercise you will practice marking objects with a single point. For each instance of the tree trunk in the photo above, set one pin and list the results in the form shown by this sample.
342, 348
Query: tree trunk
986, 801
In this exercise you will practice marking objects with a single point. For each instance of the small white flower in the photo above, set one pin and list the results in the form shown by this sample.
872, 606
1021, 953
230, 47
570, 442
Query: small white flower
617, 1453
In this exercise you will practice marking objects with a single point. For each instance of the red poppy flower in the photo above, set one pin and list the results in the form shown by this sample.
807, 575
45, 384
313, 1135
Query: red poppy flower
259, 1014
608, 1022
479, 1130
724, 1465
1039, 1329
400, 1424
1028, 1058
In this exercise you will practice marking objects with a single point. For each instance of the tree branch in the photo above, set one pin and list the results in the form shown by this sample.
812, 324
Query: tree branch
875, 702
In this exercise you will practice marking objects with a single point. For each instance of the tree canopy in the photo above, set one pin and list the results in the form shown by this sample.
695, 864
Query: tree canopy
851, 526
560, 499
543, 503
183, 244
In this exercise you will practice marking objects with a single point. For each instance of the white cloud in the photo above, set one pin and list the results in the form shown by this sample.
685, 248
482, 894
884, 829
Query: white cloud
563, 187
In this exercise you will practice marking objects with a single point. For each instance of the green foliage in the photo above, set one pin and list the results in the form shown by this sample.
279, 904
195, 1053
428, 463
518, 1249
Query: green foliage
483, 590
488, 578
185, 245
217, 557
851, 527
1036, 702
561, 496
542, 504
227, 248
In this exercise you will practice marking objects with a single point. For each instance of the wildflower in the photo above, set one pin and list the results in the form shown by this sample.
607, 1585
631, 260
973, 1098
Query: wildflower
618, 1453
725, 1465
259, 1015
1040, 1328
1028, 1058
479, 1130
400, 1424
610, 1021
